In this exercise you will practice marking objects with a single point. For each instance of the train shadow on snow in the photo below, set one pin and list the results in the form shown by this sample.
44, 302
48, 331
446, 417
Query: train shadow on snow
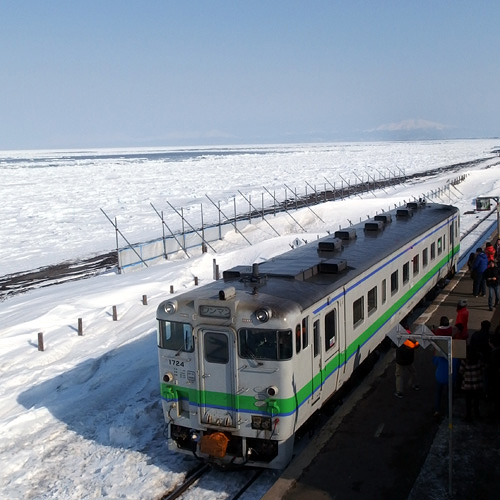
112, 400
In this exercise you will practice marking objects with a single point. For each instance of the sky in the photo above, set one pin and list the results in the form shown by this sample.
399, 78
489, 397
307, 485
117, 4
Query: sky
82, 419
125, 73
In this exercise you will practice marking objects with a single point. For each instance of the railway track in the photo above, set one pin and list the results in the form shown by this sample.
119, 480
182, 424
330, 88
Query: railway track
195, 475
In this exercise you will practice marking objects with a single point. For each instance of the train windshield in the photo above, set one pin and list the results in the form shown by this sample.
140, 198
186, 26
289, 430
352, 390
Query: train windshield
175, 336
272, 345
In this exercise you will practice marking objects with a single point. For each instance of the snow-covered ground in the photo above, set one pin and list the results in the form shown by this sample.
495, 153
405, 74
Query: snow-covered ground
82, 419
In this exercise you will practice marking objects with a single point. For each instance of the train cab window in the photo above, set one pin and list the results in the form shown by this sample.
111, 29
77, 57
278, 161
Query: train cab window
372, 300
358, 311
216, 347
440, 246
425, 257
316, 338
305, 333
298, 338
416, 265
394, 282
433, 251
384, 291
175, 336
406, 272
272, 345
330, 330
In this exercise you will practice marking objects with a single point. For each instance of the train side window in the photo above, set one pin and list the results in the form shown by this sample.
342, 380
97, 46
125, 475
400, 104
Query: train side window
416, 265
440, 246
305, 333
384, 291
316, 338
425, 257
358, 311
372, 300
406, 272
330, 330
394, 282
433, 251
444, 242
298, 338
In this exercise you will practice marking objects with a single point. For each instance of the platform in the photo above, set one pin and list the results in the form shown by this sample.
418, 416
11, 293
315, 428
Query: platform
377, 446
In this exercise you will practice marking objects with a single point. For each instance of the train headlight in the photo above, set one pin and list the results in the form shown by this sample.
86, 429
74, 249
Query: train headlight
168, 378
272, 391
263, 314
194, 436
261, 423
170, 307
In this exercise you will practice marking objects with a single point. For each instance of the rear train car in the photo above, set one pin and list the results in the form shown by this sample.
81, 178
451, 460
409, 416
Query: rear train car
246, 360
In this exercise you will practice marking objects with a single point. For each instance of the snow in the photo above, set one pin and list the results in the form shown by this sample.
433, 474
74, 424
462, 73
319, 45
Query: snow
82, 419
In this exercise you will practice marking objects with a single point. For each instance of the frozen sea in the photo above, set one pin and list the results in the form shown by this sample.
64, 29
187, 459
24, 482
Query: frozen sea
82, 419
52, 200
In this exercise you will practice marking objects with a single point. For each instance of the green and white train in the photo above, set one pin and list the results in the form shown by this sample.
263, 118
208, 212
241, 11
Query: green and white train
245, 361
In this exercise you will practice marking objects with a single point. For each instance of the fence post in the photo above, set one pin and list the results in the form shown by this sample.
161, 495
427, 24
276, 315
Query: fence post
80, 327
196, 280
40, 341
215, 268
171, 288
115, 315
145, 300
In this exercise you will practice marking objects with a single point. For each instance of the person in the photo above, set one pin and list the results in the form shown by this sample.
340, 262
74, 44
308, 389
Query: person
480, 340
405, 355
471, 371
458, 332
490, 252
497, 251
441, 377
491, 277
470, 261
444, 328
478, 267
462, 319
493, 374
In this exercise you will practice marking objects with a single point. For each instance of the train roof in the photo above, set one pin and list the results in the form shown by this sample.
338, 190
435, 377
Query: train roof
312, 271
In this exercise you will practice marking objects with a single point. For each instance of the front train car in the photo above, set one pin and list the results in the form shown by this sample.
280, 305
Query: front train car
224, 358
246, 360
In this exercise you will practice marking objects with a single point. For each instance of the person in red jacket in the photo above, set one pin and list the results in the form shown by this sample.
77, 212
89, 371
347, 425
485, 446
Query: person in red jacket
462, 319
444, 327
490, 252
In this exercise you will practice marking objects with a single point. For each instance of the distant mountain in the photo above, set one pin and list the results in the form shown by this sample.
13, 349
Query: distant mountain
411, 130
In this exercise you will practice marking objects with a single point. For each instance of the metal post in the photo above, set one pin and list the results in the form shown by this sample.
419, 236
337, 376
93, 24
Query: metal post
117, 247
164, 239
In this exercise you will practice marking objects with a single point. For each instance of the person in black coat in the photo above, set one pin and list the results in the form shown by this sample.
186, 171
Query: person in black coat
491, 276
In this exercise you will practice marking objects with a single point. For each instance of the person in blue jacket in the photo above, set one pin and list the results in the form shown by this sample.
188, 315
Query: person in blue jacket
478, 267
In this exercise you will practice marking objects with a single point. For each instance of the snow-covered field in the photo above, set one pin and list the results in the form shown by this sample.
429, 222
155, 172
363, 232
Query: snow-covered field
82, 419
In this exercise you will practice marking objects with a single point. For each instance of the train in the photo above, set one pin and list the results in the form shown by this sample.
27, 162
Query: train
246, 360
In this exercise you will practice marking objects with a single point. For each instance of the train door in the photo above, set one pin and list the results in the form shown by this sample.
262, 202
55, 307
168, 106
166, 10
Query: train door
332, 346
217, 377
317, 361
